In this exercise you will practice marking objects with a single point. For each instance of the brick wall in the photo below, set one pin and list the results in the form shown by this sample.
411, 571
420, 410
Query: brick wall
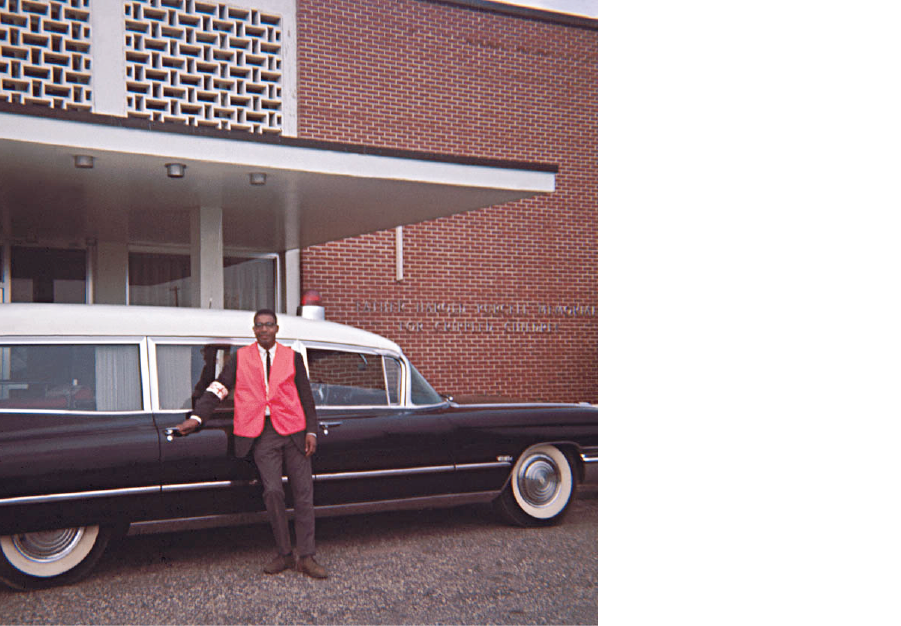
497, 301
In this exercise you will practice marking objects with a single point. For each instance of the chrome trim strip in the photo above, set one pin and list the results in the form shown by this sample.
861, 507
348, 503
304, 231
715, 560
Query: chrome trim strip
508, 405
206, 485
409, 471
589, 454
78, 495
475, 466
437, 469
218, 484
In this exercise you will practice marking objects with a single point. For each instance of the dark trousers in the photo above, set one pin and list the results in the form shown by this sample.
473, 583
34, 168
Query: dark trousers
271, 452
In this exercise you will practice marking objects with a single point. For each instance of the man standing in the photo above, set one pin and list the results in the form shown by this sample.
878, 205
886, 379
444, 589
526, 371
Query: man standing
276, 418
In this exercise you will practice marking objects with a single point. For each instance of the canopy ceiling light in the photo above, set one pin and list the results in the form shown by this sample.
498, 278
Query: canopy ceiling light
84, 161
176, 170
257, 178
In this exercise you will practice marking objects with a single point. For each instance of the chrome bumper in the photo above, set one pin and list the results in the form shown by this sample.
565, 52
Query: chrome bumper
589, 458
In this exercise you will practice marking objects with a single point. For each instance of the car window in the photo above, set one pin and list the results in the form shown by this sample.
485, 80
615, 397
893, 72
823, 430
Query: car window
421, 391
185, 371
72, 377
392, 378
340, 378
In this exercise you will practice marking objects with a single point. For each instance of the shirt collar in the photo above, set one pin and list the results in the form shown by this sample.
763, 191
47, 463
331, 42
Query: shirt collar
271, 350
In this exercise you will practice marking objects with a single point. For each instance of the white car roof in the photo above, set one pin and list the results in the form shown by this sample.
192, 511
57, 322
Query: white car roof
86, 320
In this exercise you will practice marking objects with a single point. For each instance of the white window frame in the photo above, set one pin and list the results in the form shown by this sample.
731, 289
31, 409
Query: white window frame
404, 382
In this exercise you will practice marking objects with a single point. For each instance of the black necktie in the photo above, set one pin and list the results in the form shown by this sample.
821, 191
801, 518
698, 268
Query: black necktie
268, 365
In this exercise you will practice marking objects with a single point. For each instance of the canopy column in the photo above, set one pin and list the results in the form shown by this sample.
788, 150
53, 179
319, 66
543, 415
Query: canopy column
206, 258
292, 281
111, 284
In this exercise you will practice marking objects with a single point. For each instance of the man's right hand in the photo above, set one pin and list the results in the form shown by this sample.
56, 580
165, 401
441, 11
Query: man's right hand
188, 426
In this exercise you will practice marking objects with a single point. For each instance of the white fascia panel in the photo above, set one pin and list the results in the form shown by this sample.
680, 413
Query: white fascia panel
186, 148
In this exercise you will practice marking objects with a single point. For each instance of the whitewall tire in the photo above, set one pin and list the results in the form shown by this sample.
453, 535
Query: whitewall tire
540, 487
53, 557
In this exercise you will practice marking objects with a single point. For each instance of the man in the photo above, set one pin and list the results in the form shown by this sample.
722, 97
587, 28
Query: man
276, 418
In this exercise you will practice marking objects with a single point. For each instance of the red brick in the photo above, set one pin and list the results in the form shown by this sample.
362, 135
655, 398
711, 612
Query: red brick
430, 76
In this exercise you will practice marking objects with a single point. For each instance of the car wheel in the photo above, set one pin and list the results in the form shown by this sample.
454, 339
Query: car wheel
540, 488
51, 557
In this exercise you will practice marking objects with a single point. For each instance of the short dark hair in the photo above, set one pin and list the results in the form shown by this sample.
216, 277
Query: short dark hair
266, 312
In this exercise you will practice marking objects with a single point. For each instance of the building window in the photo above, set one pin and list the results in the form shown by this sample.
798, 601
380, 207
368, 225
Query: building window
48, 275
164, 279
251, 283
159, 279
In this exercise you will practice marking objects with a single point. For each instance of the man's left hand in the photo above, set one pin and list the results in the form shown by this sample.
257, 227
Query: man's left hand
310, 445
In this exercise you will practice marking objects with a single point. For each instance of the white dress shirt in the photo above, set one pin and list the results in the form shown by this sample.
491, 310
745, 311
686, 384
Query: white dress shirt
263, 361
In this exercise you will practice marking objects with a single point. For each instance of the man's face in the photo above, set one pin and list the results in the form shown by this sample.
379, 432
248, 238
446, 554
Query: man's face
265, 329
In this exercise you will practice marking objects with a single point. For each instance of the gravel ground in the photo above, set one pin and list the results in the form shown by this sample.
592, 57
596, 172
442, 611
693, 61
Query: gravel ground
455, 566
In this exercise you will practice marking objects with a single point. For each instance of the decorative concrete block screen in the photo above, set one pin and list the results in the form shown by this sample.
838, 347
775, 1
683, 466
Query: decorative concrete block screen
203, 64
45, 53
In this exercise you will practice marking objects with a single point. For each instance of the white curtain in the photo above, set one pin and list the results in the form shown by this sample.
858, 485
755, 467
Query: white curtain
172, 293
159, 279
249, 283
118, 375
174, 375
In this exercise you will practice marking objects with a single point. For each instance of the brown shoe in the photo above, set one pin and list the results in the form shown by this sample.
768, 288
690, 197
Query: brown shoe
279, 564
308, 566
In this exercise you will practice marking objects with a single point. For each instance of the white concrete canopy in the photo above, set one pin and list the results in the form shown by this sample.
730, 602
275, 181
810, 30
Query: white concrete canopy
313, 193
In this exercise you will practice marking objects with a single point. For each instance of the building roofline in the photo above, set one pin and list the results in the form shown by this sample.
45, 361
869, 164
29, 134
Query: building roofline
538, 15
87, 117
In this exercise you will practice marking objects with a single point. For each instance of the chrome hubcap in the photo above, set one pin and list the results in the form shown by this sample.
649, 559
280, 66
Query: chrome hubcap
49, 545
538, 480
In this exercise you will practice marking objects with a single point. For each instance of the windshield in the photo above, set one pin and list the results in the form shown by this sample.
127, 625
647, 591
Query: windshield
422, 392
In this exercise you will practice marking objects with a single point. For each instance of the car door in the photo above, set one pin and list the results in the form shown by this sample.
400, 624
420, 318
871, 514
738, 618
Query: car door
372, 448
200, 473
76, 443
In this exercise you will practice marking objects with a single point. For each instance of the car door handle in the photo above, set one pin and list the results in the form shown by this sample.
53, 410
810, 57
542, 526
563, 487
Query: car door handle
326, 425
172, 433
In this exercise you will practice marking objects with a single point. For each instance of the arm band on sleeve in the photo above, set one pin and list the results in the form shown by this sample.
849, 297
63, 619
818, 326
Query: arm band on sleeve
199, 421
219, 389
